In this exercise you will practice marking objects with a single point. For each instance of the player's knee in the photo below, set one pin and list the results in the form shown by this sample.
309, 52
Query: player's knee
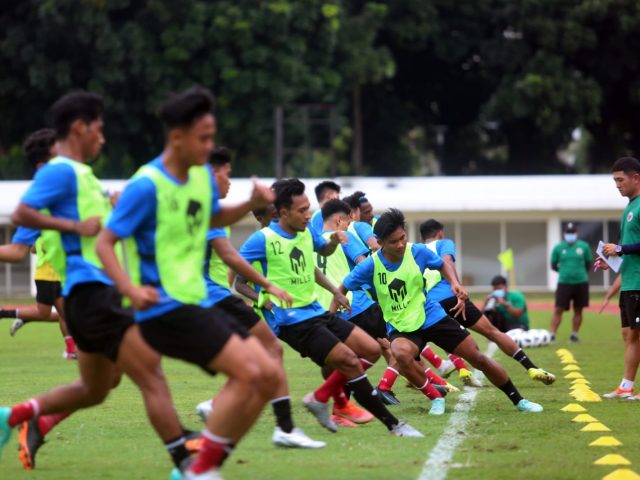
275, 349
270, 379
348, 361
404, 357
371, 351
94, 395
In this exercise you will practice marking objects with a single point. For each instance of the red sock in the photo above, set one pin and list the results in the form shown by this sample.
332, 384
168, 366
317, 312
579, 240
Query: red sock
388, 379
366, 364
213, 452
46, 423
24, 412
340, 399
433, 378
429, 390
431, 356
333, 384
71, 345
457, 362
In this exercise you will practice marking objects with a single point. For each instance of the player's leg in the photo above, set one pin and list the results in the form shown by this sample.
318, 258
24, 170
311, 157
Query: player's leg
631, 350
70, 344
632, 356
580, 302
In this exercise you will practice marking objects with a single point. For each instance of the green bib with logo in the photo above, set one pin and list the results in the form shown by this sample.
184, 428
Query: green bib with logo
400, 293
182, 222
432, 277
290, 265
336, 268
218, 270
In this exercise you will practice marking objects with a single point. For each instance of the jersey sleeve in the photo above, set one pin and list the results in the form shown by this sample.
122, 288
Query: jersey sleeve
218, 232
254, 248
25, 236
136, 204
318, 240
215, 195
364, 230
447, 247
360, 276
425, 258
52, 183
354, 249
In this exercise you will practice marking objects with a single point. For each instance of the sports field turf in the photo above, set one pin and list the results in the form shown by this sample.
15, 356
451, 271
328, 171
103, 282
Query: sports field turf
115, 441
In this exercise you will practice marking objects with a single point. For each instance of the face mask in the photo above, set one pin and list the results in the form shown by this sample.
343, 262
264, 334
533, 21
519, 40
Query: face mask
570, 237
500, 293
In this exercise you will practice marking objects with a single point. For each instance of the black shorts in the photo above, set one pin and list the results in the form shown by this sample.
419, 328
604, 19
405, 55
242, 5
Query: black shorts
240, 311
447, 334
316, 337
96, 319
371, 321
579, 293
472, 312
191, 333
47, 292
630, 308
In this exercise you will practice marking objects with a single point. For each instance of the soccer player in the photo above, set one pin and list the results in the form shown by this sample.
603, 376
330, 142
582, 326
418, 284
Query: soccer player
39, 148
167, 208
433, 236
572, 259
366, 209
626, 174
396, 272
324, 191
285, 249
362, 230
220, 253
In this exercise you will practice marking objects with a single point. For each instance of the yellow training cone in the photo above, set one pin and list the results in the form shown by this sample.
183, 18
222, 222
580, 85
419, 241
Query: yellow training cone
573, 407
571, 368
561, 352
622, 474
574, 375
580, 381
612, 459
568, 359
584, 418
595, 427
606, 441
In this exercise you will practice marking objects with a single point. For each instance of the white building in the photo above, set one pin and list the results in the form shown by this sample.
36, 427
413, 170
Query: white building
483, 214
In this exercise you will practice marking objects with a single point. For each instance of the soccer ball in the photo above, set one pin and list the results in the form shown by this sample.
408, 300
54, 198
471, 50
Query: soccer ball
546, 338
516, 335
528, 339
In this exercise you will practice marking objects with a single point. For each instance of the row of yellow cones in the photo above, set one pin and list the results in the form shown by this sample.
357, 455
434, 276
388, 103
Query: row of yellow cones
581, 391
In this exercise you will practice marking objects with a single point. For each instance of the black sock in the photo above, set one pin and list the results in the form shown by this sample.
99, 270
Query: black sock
521, 357
512, 392
177, 449
282, 411
369, 399
8, 313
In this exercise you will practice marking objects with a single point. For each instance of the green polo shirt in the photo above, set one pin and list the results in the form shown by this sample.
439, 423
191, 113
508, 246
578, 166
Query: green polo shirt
515, 298
572, 260
630, 233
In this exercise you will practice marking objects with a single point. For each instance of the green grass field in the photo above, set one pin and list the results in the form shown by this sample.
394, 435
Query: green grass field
115, 441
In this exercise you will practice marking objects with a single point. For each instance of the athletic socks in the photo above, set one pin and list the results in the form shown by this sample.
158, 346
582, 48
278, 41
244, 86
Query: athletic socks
71, 344
340, 399
433, 378
24, 412
521, 357
626, 384
512, 392
458, 362
282, 411
368, 398
47, 422
335, 383
388, 379
429, 390
431, 356
177, 449
213, 452
8, 313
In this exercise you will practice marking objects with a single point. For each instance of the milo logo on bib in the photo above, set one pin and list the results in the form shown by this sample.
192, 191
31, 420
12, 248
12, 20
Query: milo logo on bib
398, 292
298, 265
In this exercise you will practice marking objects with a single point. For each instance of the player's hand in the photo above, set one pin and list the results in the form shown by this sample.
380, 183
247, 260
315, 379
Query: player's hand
268, 305
339, 302
604, 304
261, 196
280, 294
609, 249
600, 264
459, 309
460, 292
143, 297
338, 237
89, 227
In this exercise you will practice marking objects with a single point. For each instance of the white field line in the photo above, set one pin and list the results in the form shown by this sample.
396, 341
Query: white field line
437, 464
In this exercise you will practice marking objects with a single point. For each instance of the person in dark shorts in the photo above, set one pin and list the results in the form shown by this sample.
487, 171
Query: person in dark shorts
285, 250
396, 272
433, 236
572, 259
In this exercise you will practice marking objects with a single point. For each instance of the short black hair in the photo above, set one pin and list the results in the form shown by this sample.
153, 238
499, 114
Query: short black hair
322, 188
285, 189
37, 146
352, 201
429, 228
389, 222
182, 109
626, 165
498, 280
220, 157
79, 105
335, 206
360, 197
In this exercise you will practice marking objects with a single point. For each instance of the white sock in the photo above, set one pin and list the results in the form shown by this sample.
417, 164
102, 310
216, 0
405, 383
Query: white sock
626, 384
